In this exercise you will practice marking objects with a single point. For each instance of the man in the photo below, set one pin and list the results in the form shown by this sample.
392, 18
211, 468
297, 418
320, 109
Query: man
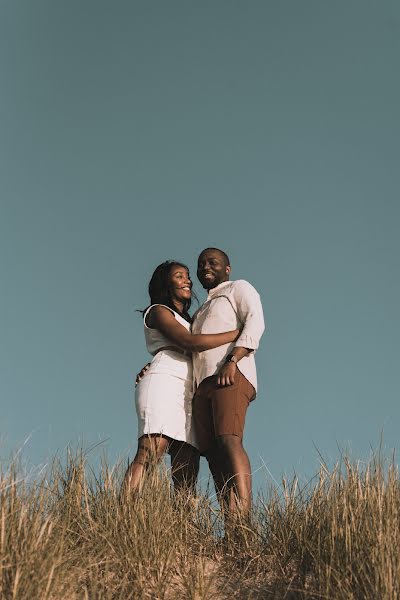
226, 377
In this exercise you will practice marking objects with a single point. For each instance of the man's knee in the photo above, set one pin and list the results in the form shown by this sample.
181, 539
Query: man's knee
228, 442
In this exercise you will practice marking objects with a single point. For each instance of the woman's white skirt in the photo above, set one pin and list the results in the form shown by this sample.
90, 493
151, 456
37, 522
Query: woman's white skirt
164, 396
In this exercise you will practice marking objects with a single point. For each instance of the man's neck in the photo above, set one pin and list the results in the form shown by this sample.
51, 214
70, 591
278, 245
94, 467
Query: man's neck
218, 284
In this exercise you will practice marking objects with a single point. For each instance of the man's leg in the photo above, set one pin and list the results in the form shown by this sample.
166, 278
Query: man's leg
229, 406
184, 466
204, 430
222, 411
216, 470
236, 473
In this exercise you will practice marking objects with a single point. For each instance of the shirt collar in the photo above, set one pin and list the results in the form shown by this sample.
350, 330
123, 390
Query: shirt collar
218, 288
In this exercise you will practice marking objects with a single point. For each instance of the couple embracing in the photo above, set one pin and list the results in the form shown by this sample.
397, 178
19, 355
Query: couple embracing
193, 398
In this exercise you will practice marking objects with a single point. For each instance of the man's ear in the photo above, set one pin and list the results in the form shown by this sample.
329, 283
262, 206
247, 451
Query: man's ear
228, 269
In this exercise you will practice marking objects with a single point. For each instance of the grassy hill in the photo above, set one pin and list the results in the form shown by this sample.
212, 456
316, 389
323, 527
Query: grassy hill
67, 535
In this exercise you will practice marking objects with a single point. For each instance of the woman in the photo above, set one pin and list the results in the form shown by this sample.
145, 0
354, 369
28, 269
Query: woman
164, 394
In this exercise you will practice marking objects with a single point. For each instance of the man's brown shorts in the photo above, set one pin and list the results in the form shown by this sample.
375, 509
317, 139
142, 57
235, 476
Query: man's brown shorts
220, 410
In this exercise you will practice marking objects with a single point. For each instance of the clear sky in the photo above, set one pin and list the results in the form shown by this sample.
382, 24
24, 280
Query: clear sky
133, 132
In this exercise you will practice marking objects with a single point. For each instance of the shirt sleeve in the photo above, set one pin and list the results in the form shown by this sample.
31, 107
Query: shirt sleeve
249, 308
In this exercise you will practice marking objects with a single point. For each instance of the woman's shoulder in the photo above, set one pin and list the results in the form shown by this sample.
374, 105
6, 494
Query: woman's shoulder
155, 310
160, 308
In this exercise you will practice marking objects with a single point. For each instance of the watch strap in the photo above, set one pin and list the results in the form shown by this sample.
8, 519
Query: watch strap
231, 358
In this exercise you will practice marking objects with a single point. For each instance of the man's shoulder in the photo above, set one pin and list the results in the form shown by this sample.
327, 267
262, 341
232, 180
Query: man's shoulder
243, 286
196, 313
199, 310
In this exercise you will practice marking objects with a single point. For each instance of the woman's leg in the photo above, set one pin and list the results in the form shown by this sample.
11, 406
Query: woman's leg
184, 466
151, 448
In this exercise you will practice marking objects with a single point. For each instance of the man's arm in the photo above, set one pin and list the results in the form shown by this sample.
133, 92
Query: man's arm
249, 308
250, 311
226, 374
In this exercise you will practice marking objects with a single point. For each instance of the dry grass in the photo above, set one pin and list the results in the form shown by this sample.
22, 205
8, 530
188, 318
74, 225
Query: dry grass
67, 536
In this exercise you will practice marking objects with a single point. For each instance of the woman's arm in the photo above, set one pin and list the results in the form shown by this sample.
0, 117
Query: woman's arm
162, 318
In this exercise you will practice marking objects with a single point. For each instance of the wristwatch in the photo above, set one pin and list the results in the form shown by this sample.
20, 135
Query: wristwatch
232, 358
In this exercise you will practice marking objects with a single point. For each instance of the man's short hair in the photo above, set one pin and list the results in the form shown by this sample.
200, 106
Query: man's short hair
221, 252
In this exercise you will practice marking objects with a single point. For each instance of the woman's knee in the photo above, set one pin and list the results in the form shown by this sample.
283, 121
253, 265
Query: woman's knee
150, 448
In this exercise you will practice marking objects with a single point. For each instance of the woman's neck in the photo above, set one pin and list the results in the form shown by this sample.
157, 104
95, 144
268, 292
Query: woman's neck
178, 305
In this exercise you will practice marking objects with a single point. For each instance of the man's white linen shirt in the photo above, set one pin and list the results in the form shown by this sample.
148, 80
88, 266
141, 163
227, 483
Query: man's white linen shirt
230, 305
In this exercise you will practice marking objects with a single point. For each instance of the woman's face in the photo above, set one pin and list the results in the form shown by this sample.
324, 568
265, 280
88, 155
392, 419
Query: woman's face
180, 283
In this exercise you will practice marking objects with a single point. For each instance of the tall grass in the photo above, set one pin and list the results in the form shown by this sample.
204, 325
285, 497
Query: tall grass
68, 535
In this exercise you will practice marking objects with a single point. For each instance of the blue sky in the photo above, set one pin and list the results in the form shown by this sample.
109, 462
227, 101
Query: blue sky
134, 132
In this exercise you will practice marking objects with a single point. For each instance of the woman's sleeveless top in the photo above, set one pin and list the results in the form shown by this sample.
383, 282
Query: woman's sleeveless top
154, 338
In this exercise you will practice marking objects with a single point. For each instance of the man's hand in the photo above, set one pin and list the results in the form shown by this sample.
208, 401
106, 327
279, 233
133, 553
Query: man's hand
140, 375
226, 374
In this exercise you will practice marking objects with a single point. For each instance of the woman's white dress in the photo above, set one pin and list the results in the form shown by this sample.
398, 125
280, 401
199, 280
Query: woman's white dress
164, 395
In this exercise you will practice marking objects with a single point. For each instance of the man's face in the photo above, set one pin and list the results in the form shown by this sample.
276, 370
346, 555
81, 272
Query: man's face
212, 269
